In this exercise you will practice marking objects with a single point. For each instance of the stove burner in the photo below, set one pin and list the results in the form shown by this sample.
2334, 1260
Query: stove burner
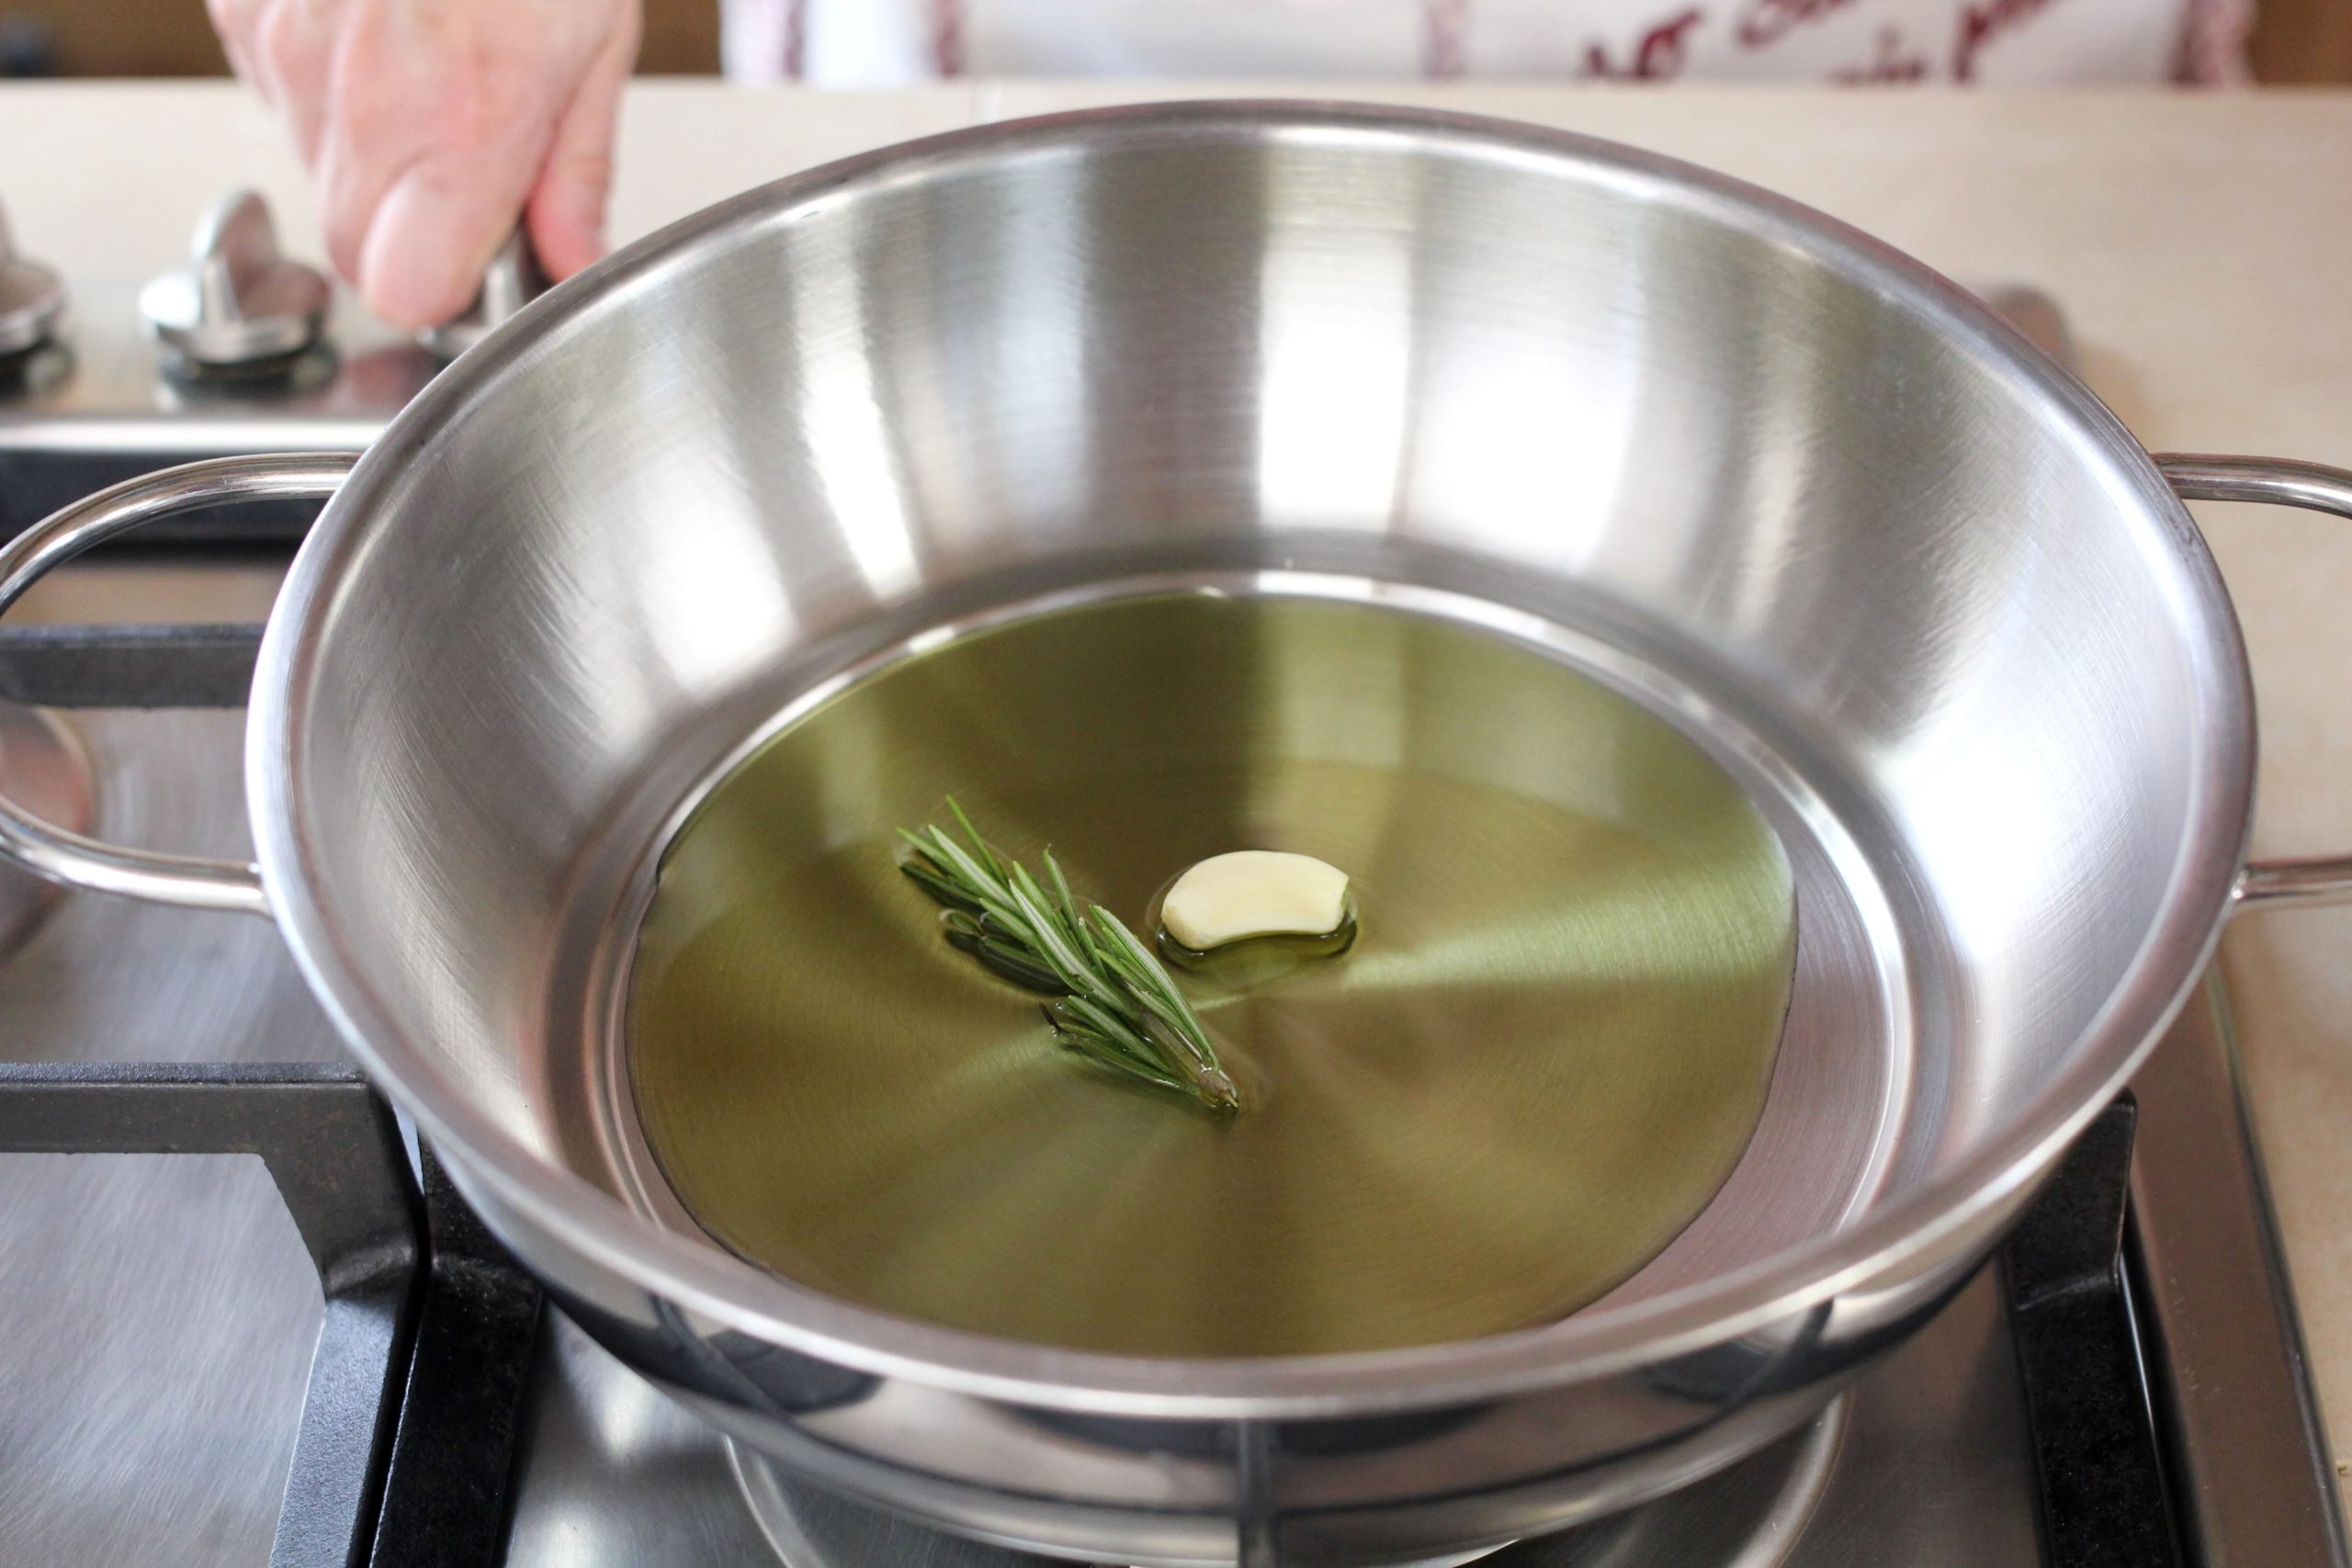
44, 768
1747, 1517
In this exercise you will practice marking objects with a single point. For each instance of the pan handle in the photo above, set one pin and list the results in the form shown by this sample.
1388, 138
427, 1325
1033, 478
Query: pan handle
2282, 481
68, 858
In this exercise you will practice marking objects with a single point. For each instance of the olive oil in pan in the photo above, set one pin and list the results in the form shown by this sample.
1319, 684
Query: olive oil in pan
1543, 1053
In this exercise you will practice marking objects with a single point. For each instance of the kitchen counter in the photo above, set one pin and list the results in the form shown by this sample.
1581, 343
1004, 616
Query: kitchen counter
2197, 242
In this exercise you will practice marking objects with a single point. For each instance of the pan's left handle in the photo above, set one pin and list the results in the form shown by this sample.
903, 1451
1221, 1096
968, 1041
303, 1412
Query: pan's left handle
2281, 482
70, 858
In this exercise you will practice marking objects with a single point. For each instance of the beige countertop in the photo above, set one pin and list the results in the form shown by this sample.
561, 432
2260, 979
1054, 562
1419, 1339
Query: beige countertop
2201, 245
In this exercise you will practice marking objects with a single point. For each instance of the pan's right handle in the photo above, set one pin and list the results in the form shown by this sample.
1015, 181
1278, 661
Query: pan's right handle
67, 857
2281, 482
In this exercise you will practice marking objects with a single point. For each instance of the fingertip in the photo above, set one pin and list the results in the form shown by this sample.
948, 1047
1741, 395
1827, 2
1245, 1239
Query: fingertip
567, 223
567, 206
418, 267
346, 227
564, 246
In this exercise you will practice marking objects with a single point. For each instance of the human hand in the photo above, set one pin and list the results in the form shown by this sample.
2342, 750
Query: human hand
430, 126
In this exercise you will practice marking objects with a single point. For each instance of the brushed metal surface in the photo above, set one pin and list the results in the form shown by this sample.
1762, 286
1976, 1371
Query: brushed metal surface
1812, 500
614, 1474
240, 301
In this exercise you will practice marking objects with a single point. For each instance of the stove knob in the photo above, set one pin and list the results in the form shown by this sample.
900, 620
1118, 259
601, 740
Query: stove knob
513, 280
239, 302
31, 299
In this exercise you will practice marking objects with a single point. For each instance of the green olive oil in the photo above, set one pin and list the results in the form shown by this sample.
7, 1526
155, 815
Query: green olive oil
1541, 1055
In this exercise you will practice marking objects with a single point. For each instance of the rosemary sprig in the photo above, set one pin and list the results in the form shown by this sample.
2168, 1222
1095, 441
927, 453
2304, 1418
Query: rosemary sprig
1112, 999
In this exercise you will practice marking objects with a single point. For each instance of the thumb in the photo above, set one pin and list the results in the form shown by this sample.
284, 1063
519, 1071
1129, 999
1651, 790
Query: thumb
433, 234
566, 213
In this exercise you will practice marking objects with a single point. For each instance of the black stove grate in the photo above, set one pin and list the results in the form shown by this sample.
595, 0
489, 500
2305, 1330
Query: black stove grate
407, 1440
2104, 1501
128, 667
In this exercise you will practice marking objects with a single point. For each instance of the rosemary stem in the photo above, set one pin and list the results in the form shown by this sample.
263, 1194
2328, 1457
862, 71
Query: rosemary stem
1116, 1003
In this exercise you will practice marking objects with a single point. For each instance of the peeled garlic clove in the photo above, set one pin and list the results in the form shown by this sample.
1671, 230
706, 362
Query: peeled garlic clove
1250, 893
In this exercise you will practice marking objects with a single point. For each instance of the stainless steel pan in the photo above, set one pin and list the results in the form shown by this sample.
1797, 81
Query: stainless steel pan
1903, 575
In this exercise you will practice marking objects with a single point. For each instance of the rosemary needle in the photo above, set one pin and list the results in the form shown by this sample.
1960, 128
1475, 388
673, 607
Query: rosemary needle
1112, 1001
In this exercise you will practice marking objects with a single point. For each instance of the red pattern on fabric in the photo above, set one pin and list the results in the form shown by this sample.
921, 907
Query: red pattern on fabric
1658, 54
1981, 21
1767, 22
767, 33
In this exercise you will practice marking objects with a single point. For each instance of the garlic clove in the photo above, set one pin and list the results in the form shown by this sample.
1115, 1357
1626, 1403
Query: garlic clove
1252, 893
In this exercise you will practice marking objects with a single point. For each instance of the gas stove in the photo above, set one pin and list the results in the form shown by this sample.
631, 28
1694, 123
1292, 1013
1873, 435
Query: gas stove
187, 1378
